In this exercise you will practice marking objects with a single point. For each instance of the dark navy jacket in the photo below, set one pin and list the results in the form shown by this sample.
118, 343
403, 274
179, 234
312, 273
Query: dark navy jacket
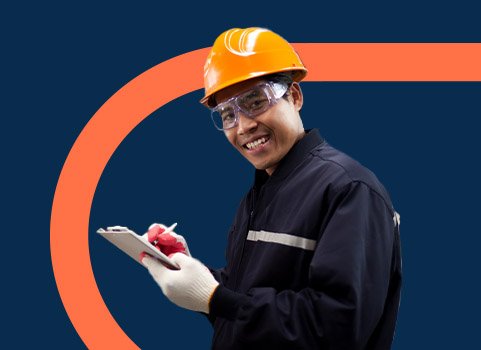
313, 258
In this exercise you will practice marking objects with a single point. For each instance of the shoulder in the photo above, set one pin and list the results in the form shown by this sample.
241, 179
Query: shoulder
329, 165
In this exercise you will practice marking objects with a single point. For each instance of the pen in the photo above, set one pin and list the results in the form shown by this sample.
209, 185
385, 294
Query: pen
170, 228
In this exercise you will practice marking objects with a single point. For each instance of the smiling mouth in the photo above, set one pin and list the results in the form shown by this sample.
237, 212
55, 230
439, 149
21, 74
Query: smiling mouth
255, 144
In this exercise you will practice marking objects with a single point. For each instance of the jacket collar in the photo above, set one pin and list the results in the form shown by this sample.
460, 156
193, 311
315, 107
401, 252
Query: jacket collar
291, 160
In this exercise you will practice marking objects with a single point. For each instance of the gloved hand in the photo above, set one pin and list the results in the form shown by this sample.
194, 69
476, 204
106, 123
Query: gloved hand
167, 243
191, 287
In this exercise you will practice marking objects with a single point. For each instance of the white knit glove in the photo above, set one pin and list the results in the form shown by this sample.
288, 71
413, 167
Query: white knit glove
191, 287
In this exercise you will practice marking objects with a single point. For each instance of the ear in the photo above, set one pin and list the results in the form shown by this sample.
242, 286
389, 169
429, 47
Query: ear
297, 97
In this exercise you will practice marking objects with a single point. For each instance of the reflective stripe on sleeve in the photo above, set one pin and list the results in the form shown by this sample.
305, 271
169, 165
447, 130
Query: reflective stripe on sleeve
282, 238
397, 218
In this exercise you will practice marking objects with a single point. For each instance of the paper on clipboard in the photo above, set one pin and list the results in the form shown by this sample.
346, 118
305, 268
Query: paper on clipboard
133, 244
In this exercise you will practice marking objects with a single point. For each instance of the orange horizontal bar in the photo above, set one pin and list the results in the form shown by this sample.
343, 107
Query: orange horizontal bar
391, 61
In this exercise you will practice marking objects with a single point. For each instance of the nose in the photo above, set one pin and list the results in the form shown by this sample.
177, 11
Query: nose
246, 124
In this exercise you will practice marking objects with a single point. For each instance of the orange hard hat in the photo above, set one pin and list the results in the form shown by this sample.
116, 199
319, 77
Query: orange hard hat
241, 54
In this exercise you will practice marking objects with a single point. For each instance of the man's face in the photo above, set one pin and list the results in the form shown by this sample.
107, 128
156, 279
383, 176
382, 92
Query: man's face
266, 139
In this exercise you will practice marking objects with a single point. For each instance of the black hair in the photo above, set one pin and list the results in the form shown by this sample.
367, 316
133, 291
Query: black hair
283, 78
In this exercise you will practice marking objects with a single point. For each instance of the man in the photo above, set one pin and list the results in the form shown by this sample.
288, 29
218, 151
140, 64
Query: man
313, 256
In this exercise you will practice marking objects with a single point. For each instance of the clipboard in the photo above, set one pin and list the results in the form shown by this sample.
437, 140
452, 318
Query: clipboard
133, 245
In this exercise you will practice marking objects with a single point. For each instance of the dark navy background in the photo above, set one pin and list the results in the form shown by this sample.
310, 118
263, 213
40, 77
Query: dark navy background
61, 62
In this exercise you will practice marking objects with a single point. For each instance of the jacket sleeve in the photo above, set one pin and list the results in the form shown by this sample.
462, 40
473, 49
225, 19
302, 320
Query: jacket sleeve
349, 278
219, 275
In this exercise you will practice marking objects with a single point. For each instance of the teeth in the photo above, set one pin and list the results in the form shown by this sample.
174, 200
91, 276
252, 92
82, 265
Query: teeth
256, 143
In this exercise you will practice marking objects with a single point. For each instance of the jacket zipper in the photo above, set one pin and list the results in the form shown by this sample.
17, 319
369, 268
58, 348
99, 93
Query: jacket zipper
251, 214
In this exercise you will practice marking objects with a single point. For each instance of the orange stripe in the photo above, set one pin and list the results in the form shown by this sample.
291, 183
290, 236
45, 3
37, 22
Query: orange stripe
391, 61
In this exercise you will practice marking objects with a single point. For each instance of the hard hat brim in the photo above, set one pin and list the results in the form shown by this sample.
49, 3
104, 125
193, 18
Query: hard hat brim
297, 75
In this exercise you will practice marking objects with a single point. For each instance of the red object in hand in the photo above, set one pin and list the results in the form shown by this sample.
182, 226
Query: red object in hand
154, 232
169, 245
165, 242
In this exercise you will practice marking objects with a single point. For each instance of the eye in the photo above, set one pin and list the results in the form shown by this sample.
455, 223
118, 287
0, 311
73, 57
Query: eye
255, 101
227, 116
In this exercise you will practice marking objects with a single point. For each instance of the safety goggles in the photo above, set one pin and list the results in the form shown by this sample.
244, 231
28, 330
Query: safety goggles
250, 103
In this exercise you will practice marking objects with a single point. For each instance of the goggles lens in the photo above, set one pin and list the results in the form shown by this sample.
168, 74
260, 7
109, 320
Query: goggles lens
251, 103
